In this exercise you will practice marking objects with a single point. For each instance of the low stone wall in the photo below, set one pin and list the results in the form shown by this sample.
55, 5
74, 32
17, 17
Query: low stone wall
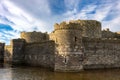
40, 54
100, 53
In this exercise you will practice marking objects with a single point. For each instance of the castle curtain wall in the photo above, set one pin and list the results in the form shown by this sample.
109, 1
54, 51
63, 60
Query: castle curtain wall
40, 54
18, 46
72, 46
100, 53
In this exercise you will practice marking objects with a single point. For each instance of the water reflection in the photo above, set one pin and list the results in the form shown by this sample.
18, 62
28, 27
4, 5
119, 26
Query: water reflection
28, 73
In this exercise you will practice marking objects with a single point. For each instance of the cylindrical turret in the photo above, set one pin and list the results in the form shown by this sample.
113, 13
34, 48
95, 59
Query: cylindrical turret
68, 39
32, 37
67, 33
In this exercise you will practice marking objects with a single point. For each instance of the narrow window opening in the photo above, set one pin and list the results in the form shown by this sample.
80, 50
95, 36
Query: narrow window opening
75, 39
66, 60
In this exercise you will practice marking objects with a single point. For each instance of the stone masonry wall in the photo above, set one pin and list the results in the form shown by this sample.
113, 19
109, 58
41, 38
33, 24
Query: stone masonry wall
68, 58
40, 54
90, 28
2, 52
108, 34
18, 51
8, 53
100, 53
32, 37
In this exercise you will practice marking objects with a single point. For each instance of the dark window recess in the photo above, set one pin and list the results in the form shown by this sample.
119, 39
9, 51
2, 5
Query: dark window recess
75, 39
66, 60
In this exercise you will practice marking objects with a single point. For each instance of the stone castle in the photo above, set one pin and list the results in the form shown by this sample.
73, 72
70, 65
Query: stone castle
72, 46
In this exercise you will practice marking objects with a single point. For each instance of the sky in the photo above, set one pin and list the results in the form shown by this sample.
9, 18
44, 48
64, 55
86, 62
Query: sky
41, 15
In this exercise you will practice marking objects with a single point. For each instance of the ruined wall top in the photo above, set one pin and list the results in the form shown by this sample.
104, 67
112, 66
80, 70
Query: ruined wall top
76, 24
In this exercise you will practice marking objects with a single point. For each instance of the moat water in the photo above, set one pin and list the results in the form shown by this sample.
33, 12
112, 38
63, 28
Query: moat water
35, 73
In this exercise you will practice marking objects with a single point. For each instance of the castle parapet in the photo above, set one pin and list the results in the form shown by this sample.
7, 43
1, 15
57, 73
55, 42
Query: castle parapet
65, 25
89, 28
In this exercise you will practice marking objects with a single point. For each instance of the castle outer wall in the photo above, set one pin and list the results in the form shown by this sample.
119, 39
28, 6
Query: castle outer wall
40, 54
33, 52
101, 53
72, 46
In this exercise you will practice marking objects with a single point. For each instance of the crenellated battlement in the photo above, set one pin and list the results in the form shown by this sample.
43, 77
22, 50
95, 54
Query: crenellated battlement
77, 24
87, 22
65, 25
89, 28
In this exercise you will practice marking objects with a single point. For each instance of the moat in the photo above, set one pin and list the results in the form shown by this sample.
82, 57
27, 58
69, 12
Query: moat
35, 73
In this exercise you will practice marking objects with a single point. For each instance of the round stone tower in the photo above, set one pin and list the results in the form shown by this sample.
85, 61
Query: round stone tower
91, 28
34, 36
67, 33
68, 40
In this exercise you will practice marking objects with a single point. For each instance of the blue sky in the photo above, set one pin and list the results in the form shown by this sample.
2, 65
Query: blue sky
41, 15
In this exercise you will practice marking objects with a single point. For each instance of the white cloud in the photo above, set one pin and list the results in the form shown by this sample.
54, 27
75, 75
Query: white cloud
71, 4
22, 20
99, 12
37, 8
82, 14
102, 12
29, 15
113, 24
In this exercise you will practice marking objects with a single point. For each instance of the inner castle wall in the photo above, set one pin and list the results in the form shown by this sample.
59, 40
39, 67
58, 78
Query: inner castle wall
106, 33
